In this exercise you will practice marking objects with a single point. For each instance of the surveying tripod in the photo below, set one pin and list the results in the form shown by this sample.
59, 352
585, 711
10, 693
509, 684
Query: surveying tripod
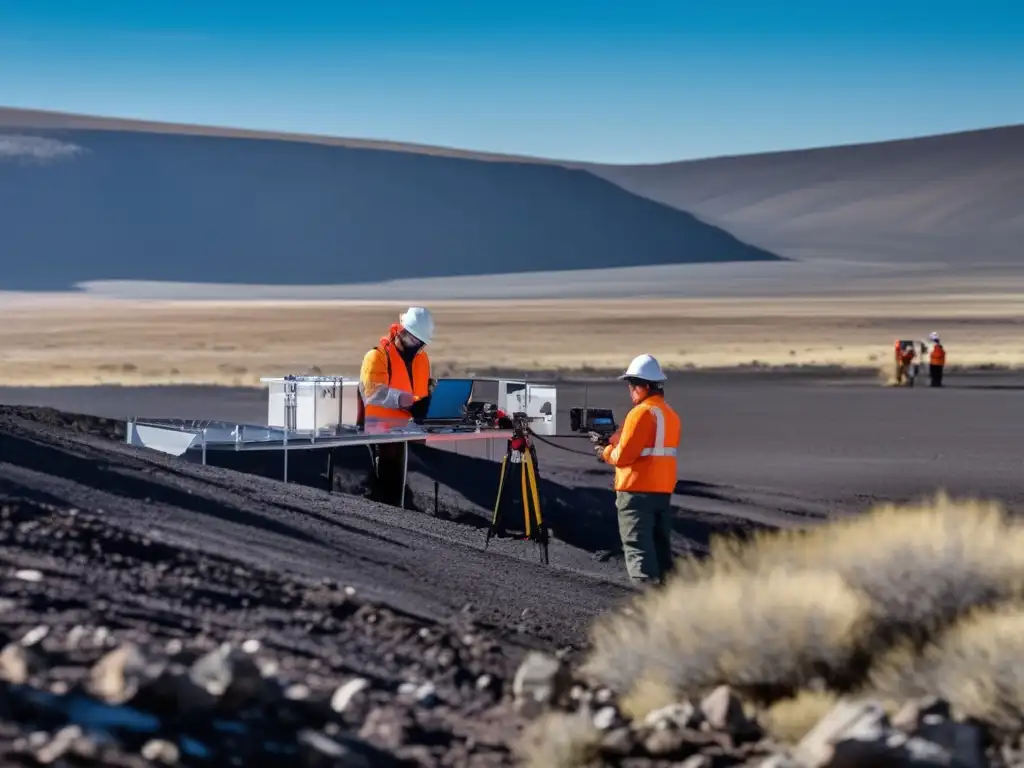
520, 452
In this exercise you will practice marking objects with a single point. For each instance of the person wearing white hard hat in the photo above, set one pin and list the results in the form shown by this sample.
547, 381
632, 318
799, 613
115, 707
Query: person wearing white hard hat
936, 360
644, 454
395, 386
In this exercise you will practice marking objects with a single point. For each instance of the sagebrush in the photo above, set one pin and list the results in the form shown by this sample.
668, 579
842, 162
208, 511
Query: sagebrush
774, 614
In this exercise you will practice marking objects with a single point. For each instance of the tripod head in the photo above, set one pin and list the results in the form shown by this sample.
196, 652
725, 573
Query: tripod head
519, 423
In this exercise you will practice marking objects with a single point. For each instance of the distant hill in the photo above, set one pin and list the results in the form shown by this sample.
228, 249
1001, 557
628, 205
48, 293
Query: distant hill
38, 118
955, 199
86, 199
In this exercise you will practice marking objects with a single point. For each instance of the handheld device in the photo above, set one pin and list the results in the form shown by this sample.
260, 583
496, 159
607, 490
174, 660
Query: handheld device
586, 420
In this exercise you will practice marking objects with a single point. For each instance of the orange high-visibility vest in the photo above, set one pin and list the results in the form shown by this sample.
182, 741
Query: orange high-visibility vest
938, 356
645, 455
384, 374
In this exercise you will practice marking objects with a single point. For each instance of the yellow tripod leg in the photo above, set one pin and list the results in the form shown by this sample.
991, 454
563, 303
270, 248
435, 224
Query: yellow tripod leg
535, 492
501, 486
530, 477
526, 505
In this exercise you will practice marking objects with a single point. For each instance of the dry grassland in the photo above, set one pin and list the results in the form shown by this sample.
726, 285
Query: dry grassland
85, 341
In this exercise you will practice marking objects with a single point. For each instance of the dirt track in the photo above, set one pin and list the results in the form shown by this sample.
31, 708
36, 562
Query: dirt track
758, 449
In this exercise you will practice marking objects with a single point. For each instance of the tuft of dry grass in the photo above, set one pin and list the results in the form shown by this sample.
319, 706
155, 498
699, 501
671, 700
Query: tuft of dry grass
887, 373
785, 609
789, 720
559, 740
975, 665
764, 632
647, 695
902, 602
920, 565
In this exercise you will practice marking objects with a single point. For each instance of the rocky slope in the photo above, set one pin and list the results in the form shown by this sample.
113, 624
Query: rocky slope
155, 612
121, 649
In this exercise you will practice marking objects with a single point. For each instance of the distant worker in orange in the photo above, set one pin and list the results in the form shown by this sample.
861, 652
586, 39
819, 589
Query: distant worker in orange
644, 454
904, 361
395, 386
936, 361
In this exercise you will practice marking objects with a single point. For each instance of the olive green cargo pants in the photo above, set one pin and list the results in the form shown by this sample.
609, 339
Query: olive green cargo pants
645, 526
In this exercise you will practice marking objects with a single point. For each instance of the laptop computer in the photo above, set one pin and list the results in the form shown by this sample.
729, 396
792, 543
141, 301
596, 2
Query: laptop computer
448, 402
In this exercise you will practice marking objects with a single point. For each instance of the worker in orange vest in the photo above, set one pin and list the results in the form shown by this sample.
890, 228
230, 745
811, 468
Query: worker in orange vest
395, 386
643, 453
904, 361
936, 361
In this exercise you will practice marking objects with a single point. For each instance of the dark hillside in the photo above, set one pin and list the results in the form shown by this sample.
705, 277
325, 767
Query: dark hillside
955, 199
80, 205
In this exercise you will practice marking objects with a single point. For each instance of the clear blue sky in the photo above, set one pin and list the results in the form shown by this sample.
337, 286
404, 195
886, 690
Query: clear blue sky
616, 82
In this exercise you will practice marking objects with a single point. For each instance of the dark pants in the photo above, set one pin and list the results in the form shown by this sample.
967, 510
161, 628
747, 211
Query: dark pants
645, 526
935, 371
389, 459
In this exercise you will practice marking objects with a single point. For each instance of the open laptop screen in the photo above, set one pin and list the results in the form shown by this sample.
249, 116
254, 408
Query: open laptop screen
449, 399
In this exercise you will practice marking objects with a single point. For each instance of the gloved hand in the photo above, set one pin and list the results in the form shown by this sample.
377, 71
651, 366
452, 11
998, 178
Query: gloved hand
405, 400
598, 439
419, 408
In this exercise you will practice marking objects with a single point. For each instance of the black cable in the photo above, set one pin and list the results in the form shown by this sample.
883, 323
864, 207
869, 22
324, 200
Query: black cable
562, 447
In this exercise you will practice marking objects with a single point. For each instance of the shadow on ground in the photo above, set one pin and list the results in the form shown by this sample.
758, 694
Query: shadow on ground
582, 515
100, 474
578, 505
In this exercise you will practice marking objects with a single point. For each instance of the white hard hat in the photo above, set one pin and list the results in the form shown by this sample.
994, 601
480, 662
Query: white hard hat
934, 336
419, 322
644, 367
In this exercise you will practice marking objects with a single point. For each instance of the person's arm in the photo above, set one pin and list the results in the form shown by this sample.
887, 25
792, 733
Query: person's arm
418, 410
637, 431
430, 380
374, 386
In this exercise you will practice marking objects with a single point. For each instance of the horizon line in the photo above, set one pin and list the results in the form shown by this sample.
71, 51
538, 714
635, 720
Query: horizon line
383, 144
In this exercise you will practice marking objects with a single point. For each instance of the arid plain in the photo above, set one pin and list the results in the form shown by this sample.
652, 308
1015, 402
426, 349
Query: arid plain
81, 342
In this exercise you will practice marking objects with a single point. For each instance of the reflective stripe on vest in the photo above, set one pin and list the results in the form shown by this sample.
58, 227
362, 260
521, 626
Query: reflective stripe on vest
659, 448
658, 452
659, 434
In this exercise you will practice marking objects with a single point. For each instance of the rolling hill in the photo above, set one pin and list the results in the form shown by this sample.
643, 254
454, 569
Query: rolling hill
955, 199
115, 205
83, 199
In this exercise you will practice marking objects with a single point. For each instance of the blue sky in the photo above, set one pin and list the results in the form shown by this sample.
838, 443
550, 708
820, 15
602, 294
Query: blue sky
613, 82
